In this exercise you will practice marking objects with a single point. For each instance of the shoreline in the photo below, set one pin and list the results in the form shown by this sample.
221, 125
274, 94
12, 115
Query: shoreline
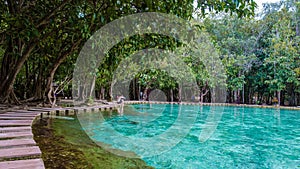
215, 104
64, 144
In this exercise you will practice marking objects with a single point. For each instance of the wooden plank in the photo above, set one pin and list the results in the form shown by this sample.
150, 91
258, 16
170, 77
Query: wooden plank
19, 112
23, 164
16, 118
15, 122
9, 124
16, 134
40, 110
20, 152
17, 115
14, 129
52, 109
25, 111
17, 142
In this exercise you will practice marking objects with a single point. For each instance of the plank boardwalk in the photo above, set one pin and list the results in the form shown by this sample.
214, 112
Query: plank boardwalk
15, 123
17, 115
16, 138
23, 164
16, 118
16, 134
14, 129
16, 141
20, 152
28, 113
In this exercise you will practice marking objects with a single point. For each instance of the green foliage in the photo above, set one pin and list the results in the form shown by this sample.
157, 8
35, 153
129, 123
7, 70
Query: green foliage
260, 56
283, 52
41, 36
241, 7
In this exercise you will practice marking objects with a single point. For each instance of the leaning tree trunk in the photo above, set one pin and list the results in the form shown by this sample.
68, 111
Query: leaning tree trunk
10, 69
203, 93
18, 50
52, 70
49, 87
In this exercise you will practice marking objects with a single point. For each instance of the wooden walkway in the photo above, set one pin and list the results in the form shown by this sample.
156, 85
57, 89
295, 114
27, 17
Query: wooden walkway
18, 150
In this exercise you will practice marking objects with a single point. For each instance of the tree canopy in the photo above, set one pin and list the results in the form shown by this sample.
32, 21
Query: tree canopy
40, 41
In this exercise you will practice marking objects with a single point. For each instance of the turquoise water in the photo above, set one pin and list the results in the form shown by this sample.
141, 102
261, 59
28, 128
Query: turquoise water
238, 137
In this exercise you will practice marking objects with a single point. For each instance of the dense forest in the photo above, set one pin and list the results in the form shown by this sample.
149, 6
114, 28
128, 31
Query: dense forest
41, 40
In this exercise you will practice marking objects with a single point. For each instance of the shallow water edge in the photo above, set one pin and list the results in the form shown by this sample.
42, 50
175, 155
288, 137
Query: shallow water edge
65, 145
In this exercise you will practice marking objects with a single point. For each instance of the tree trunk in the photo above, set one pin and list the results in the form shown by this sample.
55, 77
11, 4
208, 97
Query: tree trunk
81, 90
38, 94
145, 96
201, 98
133, 88
291, 94
269, 100
102, 93
92, 89
9, 71
229, 96
171, 95
55, 66
179, 94
49, 88
38, 86
111, 93
203, 93
278, 94
243, 95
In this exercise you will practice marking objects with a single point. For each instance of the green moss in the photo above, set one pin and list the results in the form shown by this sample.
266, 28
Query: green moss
65, 145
